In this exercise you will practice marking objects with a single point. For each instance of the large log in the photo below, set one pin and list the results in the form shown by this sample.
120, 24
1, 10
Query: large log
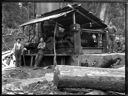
99, 60
89, 77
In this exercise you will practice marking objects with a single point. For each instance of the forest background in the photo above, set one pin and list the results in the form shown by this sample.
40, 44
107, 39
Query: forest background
14, 14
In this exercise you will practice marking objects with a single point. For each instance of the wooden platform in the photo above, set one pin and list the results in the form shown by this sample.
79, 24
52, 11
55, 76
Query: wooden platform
93, 60
29, 59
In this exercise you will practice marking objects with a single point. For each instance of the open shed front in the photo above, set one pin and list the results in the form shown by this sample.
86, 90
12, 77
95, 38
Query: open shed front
68, 32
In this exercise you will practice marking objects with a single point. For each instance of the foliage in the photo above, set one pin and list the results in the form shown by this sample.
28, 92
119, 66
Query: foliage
115, 12
13, 15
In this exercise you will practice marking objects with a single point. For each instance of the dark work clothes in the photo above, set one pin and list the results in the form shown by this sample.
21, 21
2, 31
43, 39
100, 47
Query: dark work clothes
18, 57
40, 54
39, 57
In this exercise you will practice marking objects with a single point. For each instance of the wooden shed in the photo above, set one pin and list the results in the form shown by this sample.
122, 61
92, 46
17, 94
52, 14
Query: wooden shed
70, 31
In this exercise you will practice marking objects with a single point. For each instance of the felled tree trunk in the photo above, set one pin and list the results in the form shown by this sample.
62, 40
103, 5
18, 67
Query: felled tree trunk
89, 77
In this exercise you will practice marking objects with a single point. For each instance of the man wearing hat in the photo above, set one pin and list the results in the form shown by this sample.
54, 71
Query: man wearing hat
17, 51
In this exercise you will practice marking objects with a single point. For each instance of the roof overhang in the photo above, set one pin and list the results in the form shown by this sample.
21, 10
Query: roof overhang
37, 20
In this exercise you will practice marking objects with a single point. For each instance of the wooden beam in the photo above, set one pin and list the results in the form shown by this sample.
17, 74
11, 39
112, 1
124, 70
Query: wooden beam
74, 18
90, 78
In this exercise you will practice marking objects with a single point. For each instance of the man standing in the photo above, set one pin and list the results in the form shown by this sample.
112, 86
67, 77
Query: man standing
40, 53
111, 37
17, 51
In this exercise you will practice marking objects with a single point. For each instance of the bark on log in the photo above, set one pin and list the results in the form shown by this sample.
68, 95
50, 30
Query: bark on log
89, 77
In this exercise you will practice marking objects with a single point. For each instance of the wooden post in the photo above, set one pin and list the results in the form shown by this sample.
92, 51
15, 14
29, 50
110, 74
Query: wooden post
77, 37
74, 18
98, 39
106, 42
31, 60
77, 42
55, 29
23, 54
67, 76
107, 39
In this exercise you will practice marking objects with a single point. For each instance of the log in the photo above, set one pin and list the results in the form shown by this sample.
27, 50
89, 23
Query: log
96, 92
67, 76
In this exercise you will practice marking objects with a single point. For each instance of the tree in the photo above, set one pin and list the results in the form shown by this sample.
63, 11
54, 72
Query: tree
109, 12
13, 15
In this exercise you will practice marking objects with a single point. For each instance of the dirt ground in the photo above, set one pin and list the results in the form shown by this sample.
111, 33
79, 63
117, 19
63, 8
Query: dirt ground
26, 80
